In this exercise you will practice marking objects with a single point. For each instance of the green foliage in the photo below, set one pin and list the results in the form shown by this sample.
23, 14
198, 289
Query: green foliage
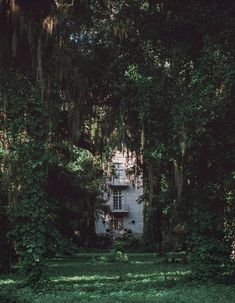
209, 259
210, 254
116, 256
127, 243
152, 76
74, 187
121, 257
27, 159
181, 97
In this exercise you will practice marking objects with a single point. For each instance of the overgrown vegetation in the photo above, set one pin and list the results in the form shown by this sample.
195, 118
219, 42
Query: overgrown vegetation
79, 78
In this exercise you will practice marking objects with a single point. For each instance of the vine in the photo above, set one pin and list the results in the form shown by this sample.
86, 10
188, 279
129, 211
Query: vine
27, 159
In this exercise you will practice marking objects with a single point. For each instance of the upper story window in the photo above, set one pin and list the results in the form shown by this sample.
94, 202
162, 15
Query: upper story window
117, 199
119, 171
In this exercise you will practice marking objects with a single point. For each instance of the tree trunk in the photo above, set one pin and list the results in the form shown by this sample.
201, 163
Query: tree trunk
153, 210
5, 258
88, 226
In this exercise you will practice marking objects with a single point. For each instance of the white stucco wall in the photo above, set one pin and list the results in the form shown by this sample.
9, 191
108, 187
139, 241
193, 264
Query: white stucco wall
131, 190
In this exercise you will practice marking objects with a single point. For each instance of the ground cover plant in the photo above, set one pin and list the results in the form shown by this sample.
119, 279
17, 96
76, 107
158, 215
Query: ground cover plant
97, 277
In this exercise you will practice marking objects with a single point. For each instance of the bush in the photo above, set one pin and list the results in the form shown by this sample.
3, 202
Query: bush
103, 242
150, 247
128, 243
209, 259
121, 257
117, 256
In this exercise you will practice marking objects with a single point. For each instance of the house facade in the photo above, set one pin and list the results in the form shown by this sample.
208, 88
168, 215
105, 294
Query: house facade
123, 190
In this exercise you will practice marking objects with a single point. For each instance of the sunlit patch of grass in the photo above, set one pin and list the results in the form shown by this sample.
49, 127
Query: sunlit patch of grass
8, 282
82, 278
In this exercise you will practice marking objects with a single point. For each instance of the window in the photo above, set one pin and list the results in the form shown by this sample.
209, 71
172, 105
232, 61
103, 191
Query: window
117, 199
119, 170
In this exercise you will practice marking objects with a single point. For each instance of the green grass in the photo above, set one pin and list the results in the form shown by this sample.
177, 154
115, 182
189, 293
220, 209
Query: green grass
101, 278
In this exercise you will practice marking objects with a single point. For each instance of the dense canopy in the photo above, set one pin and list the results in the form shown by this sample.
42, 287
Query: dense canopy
79, 78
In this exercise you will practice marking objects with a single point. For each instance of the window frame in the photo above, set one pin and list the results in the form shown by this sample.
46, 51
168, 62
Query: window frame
118, 199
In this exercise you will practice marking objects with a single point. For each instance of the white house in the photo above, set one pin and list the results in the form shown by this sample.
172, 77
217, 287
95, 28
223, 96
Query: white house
123, 191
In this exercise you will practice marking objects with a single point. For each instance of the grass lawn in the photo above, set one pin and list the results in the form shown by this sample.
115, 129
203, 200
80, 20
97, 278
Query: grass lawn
106, 278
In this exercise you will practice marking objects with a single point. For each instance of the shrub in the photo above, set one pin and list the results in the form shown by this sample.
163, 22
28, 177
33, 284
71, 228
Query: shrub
128, 243
103, 242
209, 259
121, 257
150, 247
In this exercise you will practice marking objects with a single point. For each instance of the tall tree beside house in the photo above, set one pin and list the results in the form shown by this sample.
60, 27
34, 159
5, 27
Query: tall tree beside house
54, 90
26, 160
170, 94
24, 119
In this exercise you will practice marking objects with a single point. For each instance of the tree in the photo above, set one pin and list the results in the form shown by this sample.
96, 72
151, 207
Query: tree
74, 187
